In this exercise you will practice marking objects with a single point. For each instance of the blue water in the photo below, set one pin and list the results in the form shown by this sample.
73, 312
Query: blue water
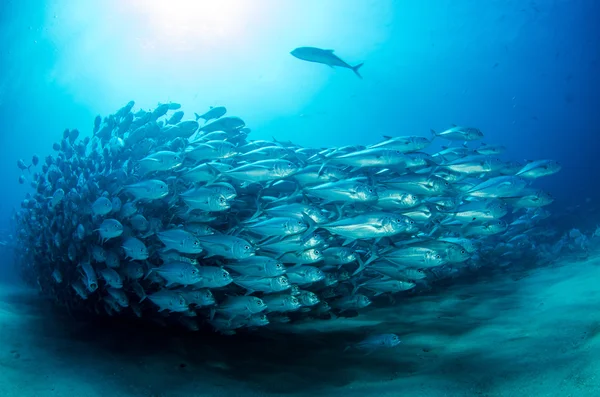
525, 73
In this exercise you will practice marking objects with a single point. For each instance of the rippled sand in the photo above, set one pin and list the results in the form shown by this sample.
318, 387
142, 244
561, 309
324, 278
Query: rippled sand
532, 333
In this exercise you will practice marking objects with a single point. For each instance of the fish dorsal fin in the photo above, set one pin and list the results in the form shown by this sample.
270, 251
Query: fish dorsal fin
387, 137
330, 51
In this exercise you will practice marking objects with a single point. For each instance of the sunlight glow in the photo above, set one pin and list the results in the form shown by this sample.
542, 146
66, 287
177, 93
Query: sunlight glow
205, 53
187, 25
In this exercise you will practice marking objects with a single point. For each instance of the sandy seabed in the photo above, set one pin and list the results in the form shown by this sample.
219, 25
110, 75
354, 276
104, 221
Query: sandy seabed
532, 333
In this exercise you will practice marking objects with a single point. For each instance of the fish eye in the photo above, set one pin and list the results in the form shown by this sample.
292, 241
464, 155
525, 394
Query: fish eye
412, 222
260, 303
317, 252
463, 252
438, 257
225, 275
246, 247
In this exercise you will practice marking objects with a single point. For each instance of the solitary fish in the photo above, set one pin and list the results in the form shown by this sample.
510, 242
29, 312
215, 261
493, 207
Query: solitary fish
326, 57
374, 342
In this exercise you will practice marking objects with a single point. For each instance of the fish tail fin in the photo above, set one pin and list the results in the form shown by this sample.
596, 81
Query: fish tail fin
433, 134
355, 70
312, 226
149, 272
361, 266
198, 117
259, 210
356, 286
373, 257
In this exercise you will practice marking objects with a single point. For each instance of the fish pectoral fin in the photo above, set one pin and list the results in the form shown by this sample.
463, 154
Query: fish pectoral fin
348, 241
369, 351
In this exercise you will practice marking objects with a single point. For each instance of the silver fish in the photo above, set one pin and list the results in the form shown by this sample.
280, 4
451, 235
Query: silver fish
205, 199
178, 273
539, 168
260, 284
152, 189
327, 57
304, 275
135, 249
374, 342
257, 266
213, 277
169, 300
102, 206
241, 306
459, 133
110, 228
264, 170
111, 277
119, 296
226, 246
281, 303
374, 225
180, 241
160, 161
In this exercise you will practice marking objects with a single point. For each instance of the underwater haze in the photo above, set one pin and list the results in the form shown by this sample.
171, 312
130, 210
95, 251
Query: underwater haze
299, 197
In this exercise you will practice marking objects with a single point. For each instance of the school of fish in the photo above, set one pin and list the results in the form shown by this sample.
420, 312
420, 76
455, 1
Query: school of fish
189, 222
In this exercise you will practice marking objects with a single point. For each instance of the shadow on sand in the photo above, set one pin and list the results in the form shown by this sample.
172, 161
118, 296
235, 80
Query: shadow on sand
167, 360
